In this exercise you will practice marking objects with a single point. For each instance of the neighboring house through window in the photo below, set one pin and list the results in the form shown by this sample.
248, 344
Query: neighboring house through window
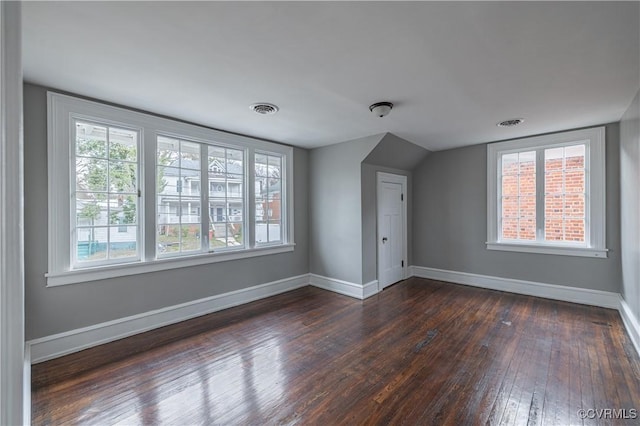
546, 194
135, 185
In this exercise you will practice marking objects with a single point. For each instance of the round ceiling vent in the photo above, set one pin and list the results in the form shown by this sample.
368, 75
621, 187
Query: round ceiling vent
510, 123
264, 108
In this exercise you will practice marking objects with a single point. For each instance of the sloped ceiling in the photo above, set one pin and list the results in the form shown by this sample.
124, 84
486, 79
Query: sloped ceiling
396, 153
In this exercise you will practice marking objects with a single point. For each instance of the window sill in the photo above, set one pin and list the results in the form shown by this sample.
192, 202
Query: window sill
114, 271
554, 250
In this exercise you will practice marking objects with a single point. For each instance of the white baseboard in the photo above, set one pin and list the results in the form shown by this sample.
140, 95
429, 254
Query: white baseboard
26, 387
583, 296
359, 291
631, 323
370, 289
57, 345
49, 347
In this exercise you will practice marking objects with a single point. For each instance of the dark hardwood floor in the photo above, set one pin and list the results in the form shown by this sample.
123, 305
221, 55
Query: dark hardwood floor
420, 352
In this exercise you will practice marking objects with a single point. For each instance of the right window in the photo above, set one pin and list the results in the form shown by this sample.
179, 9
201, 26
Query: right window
268, 202
546, 194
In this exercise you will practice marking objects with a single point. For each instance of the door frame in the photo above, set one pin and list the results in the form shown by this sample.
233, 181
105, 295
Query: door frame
402, 180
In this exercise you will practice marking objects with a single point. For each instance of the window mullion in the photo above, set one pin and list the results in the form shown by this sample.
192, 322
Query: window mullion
149, 194
250, 193
204, 197
540, 185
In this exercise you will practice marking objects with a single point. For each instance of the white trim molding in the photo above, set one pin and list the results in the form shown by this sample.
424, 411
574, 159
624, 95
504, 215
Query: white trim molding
594, 244
358, 291
26, 387
604, 299
113, 271
12, 348
61, 344
631, 323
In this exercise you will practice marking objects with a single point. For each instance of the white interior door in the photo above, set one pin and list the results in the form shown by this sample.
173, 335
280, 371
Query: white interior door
392, 228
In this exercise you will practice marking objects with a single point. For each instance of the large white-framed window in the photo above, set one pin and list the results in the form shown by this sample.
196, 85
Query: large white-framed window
131, 193
546, 194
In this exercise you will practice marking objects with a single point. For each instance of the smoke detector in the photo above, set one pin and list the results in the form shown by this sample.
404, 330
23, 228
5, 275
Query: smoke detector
381, 108
264, 108
510, 123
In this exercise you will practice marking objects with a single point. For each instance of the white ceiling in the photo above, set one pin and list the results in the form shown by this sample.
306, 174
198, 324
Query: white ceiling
452, 69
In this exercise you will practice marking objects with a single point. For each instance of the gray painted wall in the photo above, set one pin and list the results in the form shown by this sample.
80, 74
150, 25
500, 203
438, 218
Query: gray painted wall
335, 208
630, 204
57, 309
450, 227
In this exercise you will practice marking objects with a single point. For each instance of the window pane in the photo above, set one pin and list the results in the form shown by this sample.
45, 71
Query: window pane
510, 207
91, 244
261, 168
179, 203
90, 210
217, 161
574, 181
189, 210
168, 150
168, 239
574, 157
226, 235
510, 185
574, 230
554, 206
527, 229
226, 197
190, 155
518, 204
190, 237
273, 214
527, 207
122, 176
510, 164
554, 180
106, 192
268, 191
527, 162
91, 174
510, 229
236, 235
565, 193
123, 145
574, 205
169, 180
122, 209
91, 140
274, 167
235, 162
122, 242
554, 229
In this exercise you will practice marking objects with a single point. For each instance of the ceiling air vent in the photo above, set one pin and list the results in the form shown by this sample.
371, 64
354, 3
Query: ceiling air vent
510, 123
264, 108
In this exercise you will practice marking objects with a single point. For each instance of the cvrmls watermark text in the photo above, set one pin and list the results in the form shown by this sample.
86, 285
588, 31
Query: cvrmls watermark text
608, 413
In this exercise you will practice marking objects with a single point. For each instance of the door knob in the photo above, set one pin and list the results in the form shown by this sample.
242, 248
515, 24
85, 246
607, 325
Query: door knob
384, 240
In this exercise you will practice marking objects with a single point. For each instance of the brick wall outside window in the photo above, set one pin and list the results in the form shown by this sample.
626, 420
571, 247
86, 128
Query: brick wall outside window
564, 198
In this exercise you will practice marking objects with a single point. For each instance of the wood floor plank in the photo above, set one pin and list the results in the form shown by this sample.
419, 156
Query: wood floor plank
420, 352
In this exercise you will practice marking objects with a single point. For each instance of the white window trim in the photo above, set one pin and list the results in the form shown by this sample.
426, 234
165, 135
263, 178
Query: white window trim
595, 237
62, 109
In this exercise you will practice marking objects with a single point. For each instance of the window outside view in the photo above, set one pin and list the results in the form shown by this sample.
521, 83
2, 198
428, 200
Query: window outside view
106, 193
268, 190
564, 195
